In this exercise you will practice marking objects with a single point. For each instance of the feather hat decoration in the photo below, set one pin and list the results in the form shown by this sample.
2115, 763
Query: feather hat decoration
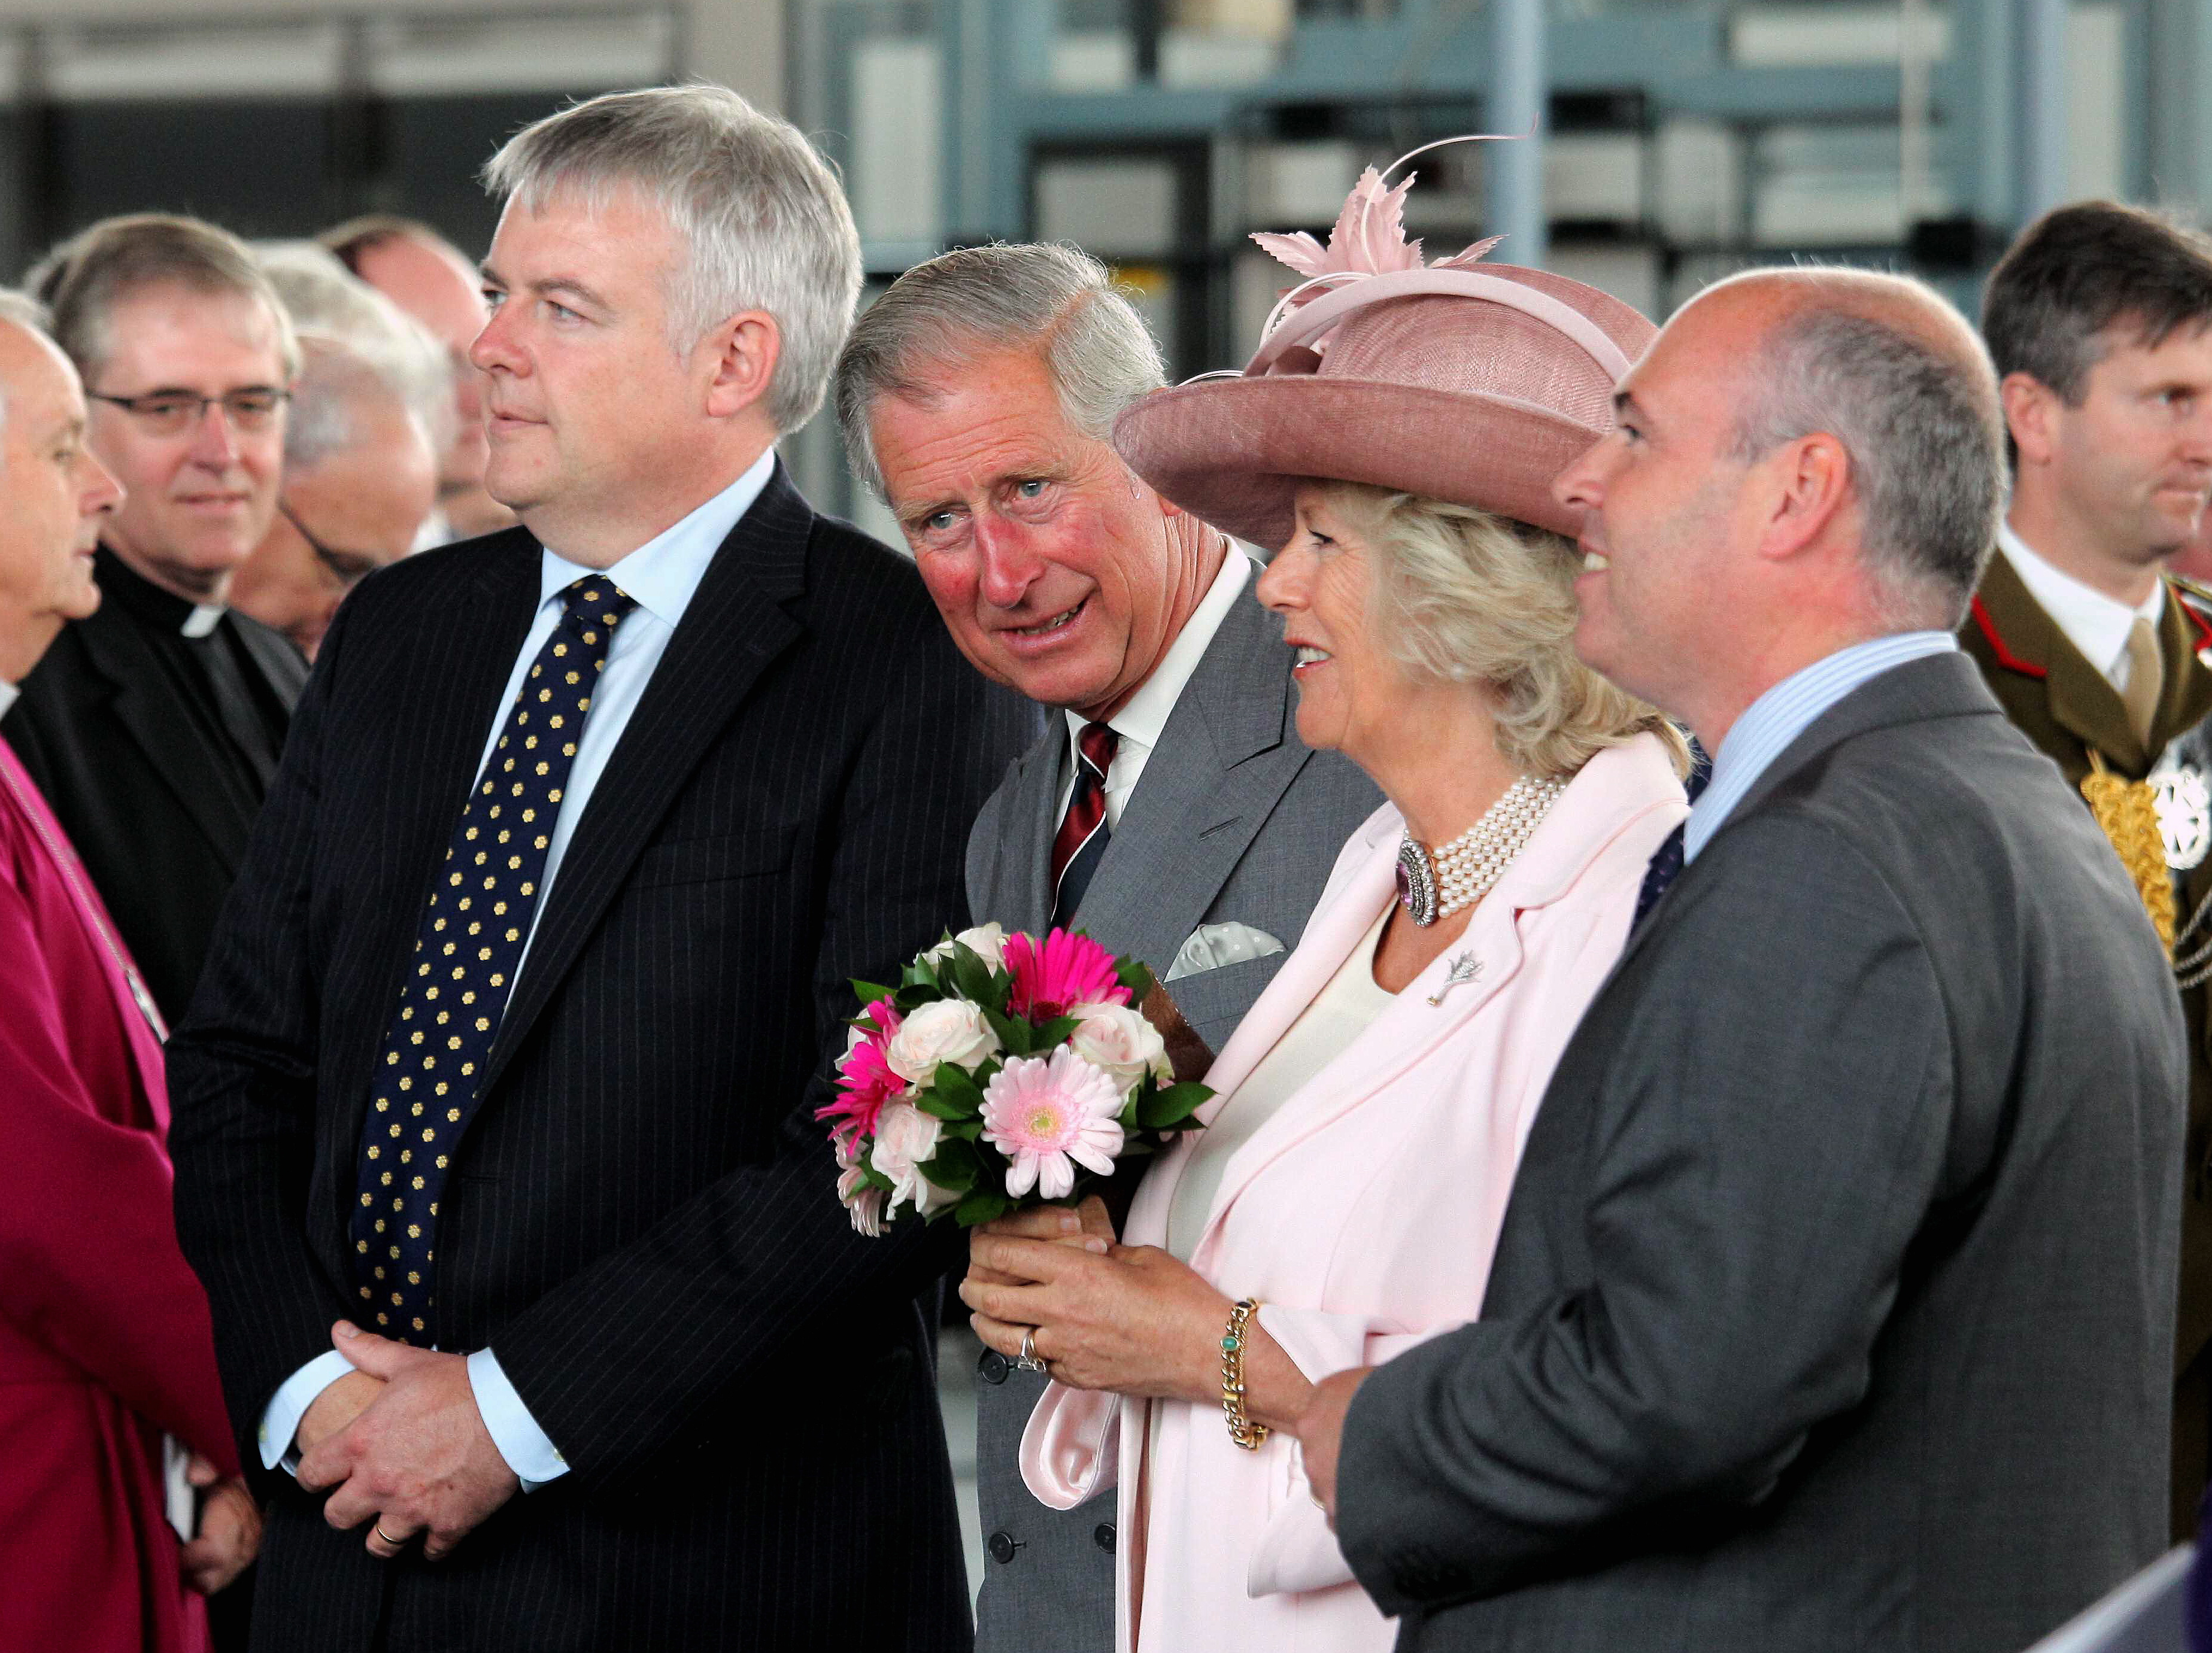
1457, 380
1369, 239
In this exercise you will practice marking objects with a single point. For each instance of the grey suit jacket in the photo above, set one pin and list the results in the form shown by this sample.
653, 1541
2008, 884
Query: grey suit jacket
1832, 1307
1235, 820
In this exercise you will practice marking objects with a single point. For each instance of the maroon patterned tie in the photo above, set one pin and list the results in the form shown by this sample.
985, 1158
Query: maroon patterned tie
1082, 838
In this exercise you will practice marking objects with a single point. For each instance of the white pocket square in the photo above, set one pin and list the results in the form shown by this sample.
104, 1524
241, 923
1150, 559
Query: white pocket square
1211, 945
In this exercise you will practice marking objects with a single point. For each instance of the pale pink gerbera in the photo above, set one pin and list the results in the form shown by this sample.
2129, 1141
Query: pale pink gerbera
864, 1203
1053, 976
1048, 1115
865, 1079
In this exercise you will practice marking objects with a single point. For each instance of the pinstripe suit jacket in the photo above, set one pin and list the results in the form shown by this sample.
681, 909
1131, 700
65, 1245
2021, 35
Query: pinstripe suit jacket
640, 1219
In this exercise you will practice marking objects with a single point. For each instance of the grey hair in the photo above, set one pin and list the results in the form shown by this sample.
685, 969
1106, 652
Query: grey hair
1924, 432
333, 402
84, 278
324, 298
27, 313
766, 222
1462, 596
1056, 301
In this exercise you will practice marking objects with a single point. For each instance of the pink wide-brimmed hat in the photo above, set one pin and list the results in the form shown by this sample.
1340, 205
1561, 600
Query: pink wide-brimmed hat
1476, 385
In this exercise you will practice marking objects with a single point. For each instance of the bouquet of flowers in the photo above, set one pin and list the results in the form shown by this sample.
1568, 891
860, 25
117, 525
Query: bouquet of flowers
1002, 1072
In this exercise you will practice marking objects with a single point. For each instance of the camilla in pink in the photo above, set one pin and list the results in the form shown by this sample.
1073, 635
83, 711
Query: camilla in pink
1395, 440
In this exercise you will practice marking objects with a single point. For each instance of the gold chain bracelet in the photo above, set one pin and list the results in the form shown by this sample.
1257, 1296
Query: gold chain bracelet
1241, 1430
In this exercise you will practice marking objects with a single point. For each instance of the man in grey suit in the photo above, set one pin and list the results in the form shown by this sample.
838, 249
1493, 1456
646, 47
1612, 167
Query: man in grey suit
1833, 1309
976, 396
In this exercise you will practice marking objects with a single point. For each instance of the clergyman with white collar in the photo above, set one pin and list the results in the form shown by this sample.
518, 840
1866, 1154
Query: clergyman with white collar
976, 398
153, 726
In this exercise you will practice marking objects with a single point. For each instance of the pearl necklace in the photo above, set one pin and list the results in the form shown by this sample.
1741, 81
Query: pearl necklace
1433, 885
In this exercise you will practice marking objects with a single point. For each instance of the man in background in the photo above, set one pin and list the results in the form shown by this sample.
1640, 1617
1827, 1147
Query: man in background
109, 1368
1170, 807
2100, 322
360, 480
154, 727
431, 279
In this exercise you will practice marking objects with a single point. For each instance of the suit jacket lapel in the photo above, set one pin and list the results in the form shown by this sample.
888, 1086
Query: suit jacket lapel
280, 664
2026, 639
1207, 792
732, 629
171, 740
435, 747
2186, 698
1947, 685
1034, 823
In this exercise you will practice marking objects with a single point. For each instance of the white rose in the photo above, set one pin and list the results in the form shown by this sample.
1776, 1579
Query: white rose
987, 942
950, 1030
1118, 1039
905, 1137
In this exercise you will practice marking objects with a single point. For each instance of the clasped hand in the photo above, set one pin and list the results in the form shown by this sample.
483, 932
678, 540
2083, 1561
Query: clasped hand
401, 1441
1132, 1319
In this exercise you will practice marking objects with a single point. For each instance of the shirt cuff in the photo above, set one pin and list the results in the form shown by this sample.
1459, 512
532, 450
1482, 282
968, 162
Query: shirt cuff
280, 1419
534, 1458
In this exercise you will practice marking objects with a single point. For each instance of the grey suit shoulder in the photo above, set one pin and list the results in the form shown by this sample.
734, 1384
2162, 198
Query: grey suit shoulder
1236, 821
1831, 1309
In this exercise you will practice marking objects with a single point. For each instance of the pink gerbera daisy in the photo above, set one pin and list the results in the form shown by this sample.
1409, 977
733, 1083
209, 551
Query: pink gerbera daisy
865, 1079
1048, 1115
1053, 976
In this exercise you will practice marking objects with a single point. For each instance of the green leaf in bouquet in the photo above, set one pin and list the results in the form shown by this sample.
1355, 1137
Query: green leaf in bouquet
952, 1082
964, 1130
1055, 1032
871, 991
934, 1103
1014, 1033
1171, 1109
910, 998
971, 977
1128, 1116
956, 1167
981, 1207
1136, 975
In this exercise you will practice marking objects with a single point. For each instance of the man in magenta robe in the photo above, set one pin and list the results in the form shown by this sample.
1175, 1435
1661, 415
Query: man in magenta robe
107, 1360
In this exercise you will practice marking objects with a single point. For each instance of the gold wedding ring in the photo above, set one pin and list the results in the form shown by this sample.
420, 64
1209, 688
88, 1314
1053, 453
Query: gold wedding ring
1028, 1360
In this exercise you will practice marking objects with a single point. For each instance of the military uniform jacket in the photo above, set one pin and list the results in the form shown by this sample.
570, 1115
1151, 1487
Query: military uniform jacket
2068, 709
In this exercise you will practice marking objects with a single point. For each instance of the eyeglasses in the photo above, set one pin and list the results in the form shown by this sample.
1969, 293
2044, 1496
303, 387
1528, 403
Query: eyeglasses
172, 413
349, 567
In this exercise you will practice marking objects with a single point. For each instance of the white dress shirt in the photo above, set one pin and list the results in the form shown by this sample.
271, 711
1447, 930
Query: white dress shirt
662, 574
1139, 724
2096, 624
1785, 712
8, 695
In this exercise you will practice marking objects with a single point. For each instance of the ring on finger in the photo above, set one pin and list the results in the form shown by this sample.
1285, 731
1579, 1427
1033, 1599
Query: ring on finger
1027, 1360
396, 1543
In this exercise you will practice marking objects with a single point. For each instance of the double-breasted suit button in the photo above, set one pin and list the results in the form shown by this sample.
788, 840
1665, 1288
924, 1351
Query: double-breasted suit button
993, 1367
1103, 1536
1002, 1547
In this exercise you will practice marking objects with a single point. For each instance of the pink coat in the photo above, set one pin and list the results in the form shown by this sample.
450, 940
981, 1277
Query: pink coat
1363, 1215
105, 1342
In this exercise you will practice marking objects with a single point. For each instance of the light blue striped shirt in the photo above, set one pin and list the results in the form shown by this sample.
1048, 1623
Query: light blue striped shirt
662, 574
1785, 712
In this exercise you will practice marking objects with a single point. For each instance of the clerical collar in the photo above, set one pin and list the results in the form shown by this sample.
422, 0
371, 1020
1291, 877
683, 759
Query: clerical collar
162, 610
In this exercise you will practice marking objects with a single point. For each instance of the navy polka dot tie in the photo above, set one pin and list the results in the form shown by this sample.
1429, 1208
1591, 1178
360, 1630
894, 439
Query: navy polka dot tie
469, 941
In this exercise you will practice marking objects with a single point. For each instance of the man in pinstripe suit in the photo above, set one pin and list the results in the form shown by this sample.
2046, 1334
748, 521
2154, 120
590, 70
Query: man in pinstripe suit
495, 1135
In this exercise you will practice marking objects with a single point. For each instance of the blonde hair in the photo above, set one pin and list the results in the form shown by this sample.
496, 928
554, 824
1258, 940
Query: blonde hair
1462, 596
